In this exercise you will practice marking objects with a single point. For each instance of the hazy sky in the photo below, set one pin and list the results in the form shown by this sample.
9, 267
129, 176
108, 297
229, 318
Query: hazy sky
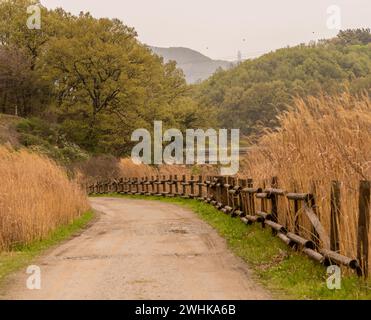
220, 28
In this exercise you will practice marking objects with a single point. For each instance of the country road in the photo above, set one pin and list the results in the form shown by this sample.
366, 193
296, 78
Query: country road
140, 249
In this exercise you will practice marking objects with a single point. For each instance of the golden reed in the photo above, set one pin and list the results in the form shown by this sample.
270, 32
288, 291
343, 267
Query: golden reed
36, 197
319, 140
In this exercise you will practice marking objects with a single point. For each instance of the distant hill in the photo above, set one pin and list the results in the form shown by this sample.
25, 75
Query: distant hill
195, 65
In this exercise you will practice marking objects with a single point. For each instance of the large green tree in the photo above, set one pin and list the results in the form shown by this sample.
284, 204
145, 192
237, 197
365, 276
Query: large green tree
92, 77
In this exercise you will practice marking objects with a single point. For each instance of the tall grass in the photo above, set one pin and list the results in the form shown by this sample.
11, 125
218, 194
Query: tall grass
130, 169
102, 168
319, 140
36, 197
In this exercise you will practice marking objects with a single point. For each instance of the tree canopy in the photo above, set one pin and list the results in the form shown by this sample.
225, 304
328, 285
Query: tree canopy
90, 76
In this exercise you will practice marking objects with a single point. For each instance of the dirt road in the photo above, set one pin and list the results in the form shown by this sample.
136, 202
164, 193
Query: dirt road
140, 250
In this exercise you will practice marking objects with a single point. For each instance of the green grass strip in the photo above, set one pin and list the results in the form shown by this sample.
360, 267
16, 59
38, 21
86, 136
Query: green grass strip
22, 256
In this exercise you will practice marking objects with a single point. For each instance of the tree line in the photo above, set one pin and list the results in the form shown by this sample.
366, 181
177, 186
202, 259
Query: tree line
90, 77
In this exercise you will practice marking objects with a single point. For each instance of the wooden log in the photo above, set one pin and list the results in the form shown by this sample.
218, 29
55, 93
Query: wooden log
170, 195
239, 213
286, 239
245, 221
249, 220
264, 215
228, 209
252, 219
364, 225
261, 195
301, 241
278, 192
319, 229
275, 226
252, 190
337, 258
298, 196
314, 255
219, 205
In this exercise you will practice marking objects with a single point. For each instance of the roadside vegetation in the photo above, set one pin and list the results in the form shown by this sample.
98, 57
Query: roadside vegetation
36, 197
22, 255
319, 140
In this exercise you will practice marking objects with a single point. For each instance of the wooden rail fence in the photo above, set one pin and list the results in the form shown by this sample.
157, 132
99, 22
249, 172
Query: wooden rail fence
239, 198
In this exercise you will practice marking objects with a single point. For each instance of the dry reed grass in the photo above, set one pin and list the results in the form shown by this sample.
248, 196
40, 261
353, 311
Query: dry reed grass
102, 168
131, 170
319, 140
36, 197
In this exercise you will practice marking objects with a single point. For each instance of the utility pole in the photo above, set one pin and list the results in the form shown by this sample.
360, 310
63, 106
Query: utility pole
239, 57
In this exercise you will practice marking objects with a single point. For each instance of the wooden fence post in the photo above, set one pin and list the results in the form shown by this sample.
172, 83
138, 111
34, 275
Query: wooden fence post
176, 192
184, 188
200, 183
171, 183
251, 198
273, 198
145, 185
311, 203
164, 180
335, 216
192, 183
157, 185
224, 196
363, 225
208, 189
152, 185
296, 212
135, 186
241, 200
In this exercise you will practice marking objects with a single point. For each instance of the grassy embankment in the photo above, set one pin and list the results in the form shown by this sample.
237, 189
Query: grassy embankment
39, 206
23, 255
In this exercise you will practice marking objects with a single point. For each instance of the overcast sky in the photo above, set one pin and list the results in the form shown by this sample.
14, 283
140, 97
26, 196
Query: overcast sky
220, 28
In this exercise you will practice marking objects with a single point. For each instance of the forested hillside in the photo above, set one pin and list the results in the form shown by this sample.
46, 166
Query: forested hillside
252, 94
86, 82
